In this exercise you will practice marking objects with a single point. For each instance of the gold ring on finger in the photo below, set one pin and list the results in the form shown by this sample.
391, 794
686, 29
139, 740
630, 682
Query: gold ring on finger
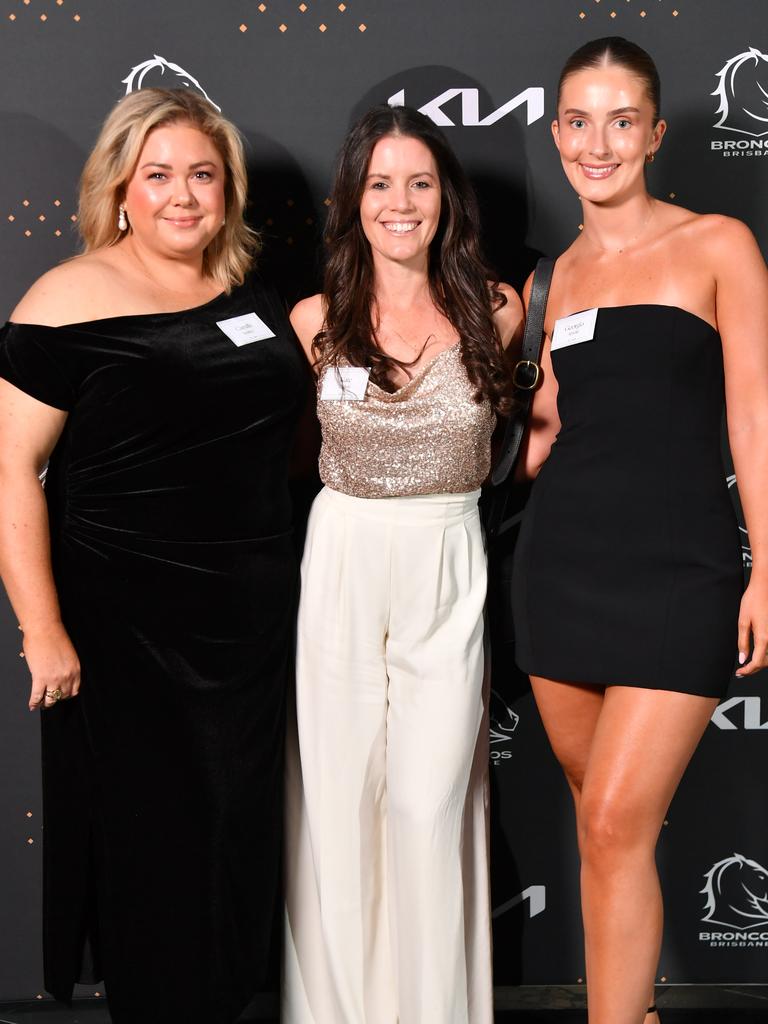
54, 695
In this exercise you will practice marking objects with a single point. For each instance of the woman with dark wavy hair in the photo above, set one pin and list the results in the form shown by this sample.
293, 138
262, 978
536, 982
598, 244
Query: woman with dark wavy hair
387, 876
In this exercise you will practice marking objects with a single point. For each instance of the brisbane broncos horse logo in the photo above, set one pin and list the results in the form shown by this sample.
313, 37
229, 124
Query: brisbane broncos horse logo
156, 68
742, 89
504, 720
737, 893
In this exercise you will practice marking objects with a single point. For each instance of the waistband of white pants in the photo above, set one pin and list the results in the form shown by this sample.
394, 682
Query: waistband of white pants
407, 508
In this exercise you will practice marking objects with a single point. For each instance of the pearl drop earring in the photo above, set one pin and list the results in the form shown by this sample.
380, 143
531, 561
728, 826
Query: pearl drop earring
122, 220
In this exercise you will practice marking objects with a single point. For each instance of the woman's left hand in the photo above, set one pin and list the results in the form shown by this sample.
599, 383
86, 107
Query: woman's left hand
753, 628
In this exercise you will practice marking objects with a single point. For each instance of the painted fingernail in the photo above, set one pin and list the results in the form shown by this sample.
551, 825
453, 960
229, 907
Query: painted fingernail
742, 657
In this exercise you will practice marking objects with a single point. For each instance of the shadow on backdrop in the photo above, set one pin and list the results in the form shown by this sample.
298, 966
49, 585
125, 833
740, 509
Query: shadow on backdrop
42, 169
704, 180
502, 195
281, 208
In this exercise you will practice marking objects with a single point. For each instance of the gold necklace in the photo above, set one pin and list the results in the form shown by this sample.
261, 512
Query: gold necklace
629, 241
418, 352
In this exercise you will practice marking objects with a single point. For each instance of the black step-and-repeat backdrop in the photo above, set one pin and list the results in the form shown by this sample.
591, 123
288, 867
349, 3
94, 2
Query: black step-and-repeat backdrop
292, 75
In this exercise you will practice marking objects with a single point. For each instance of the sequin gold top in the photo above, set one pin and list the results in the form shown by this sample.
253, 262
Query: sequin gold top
428, 437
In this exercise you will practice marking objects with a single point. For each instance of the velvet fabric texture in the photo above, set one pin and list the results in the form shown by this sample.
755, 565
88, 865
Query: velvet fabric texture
172, 554
628, 568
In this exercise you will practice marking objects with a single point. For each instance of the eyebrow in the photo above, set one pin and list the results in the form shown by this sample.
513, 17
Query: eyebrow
611, 113
169, 167
387, 177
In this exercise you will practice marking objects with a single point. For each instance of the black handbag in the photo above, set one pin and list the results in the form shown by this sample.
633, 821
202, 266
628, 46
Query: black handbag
504, 501
502, 512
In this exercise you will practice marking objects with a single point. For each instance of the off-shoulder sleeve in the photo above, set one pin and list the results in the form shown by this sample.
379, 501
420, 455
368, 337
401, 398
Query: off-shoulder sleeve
34, 359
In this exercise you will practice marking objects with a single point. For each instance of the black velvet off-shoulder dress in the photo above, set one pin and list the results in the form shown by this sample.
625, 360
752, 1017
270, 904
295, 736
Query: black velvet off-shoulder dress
628, 569
170, 532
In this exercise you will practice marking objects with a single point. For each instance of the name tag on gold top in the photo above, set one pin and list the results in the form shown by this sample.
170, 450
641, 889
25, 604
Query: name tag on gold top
345, 383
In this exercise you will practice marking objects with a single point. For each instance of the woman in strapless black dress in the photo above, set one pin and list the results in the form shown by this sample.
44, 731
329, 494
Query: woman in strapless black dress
171, 583
628, 578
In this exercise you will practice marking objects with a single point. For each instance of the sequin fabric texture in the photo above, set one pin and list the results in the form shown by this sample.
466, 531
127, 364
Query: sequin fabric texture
428, 437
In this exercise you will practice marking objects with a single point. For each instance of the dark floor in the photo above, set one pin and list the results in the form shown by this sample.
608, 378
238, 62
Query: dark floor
529, 1004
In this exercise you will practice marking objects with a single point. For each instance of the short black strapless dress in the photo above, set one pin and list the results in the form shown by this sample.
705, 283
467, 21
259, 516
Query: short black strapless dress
628, 569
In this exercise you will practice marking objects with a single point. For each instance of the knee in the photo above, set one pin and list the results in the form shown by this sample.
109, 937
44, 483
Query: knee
419, 808
611, 834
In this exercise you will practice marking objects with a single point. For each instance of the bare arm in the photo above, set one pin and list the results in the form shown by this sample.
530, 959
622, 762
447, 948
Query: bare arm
307, 319
28, 432
509, 320
81, 289
742, 317
544, 419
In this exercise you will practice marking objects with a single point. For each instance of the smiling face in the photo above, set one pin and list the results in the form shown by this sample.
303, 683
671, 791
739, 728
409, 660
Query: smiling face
605, 131
175, 200
400, 206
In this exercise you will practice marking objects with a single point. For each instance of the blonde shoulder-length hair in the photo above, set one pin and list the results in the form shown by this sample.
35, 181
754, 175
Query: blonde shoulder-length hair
113, 160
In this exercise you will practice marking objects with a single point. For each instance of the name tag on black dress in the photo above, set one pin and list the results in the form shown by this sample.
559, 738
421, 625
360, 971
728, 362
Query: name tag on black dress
573, 329
243, 330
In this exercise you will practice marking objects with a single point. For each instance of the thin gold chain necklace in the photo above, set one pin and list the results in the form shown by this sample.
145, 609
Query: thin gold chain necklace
634, 238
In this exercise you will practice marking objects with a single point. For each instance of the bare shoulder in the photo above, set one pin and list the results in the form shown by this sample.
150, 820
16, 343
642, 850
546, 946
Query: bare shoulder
509, 316
725, 236
69, 293
527, 290
564, 265
307, 318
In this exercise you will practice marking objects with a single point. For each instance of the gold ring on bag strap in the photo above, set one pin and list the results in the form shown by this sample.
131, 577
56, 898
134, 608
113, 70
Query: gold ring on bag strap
526, 363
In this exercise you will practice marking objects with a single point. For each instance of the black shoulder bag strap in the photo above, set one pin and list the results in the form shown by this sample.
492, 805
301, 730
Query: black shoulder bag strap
525, 378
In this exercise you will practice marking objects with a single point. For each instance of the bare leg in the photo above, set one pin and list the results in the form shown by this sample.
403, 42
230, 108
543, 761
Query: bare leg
624, 751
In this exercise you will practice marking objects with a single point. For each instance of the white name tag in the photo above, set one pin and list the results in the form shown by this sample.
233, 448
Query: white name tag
245, 329
345, 383
573, 329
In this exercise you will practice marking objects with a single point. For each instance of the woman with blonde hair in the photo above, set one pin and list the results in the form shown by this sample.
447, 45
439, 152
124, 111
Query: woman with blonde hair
154, 578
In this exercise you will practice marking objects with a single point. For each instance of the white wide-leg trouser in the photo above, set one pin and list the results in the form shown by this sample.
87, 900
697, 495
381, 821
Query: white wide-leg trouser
387, 844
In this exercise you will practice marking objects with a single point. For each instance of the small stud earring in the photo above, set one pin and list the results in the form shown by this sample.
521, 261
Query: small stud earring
122, 220
650, 157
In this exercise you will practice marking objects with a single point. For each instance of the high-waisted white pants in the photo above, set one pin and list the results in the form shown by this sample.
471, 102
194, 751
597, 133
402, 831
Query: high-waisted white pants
387, 852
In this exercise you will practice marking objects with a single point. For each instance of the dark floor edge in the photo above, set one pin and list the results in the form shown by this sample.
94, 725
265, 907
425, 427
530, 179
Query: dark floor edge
723, 995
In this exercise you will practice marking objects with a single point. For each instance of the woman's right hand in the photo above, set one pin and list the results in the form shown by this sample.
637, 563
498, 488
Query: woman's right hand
53, 665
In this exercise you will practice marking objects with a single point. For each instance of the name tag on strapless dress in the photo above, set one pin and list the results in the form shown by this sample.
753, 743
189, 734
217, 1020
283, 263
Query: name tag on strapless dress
345, 383
245, 329
573, 329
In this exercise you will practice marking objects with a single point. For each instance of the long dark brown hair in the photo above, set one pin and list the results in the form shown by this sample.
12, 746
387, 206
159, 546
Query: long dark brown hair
616, 50
458, 275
